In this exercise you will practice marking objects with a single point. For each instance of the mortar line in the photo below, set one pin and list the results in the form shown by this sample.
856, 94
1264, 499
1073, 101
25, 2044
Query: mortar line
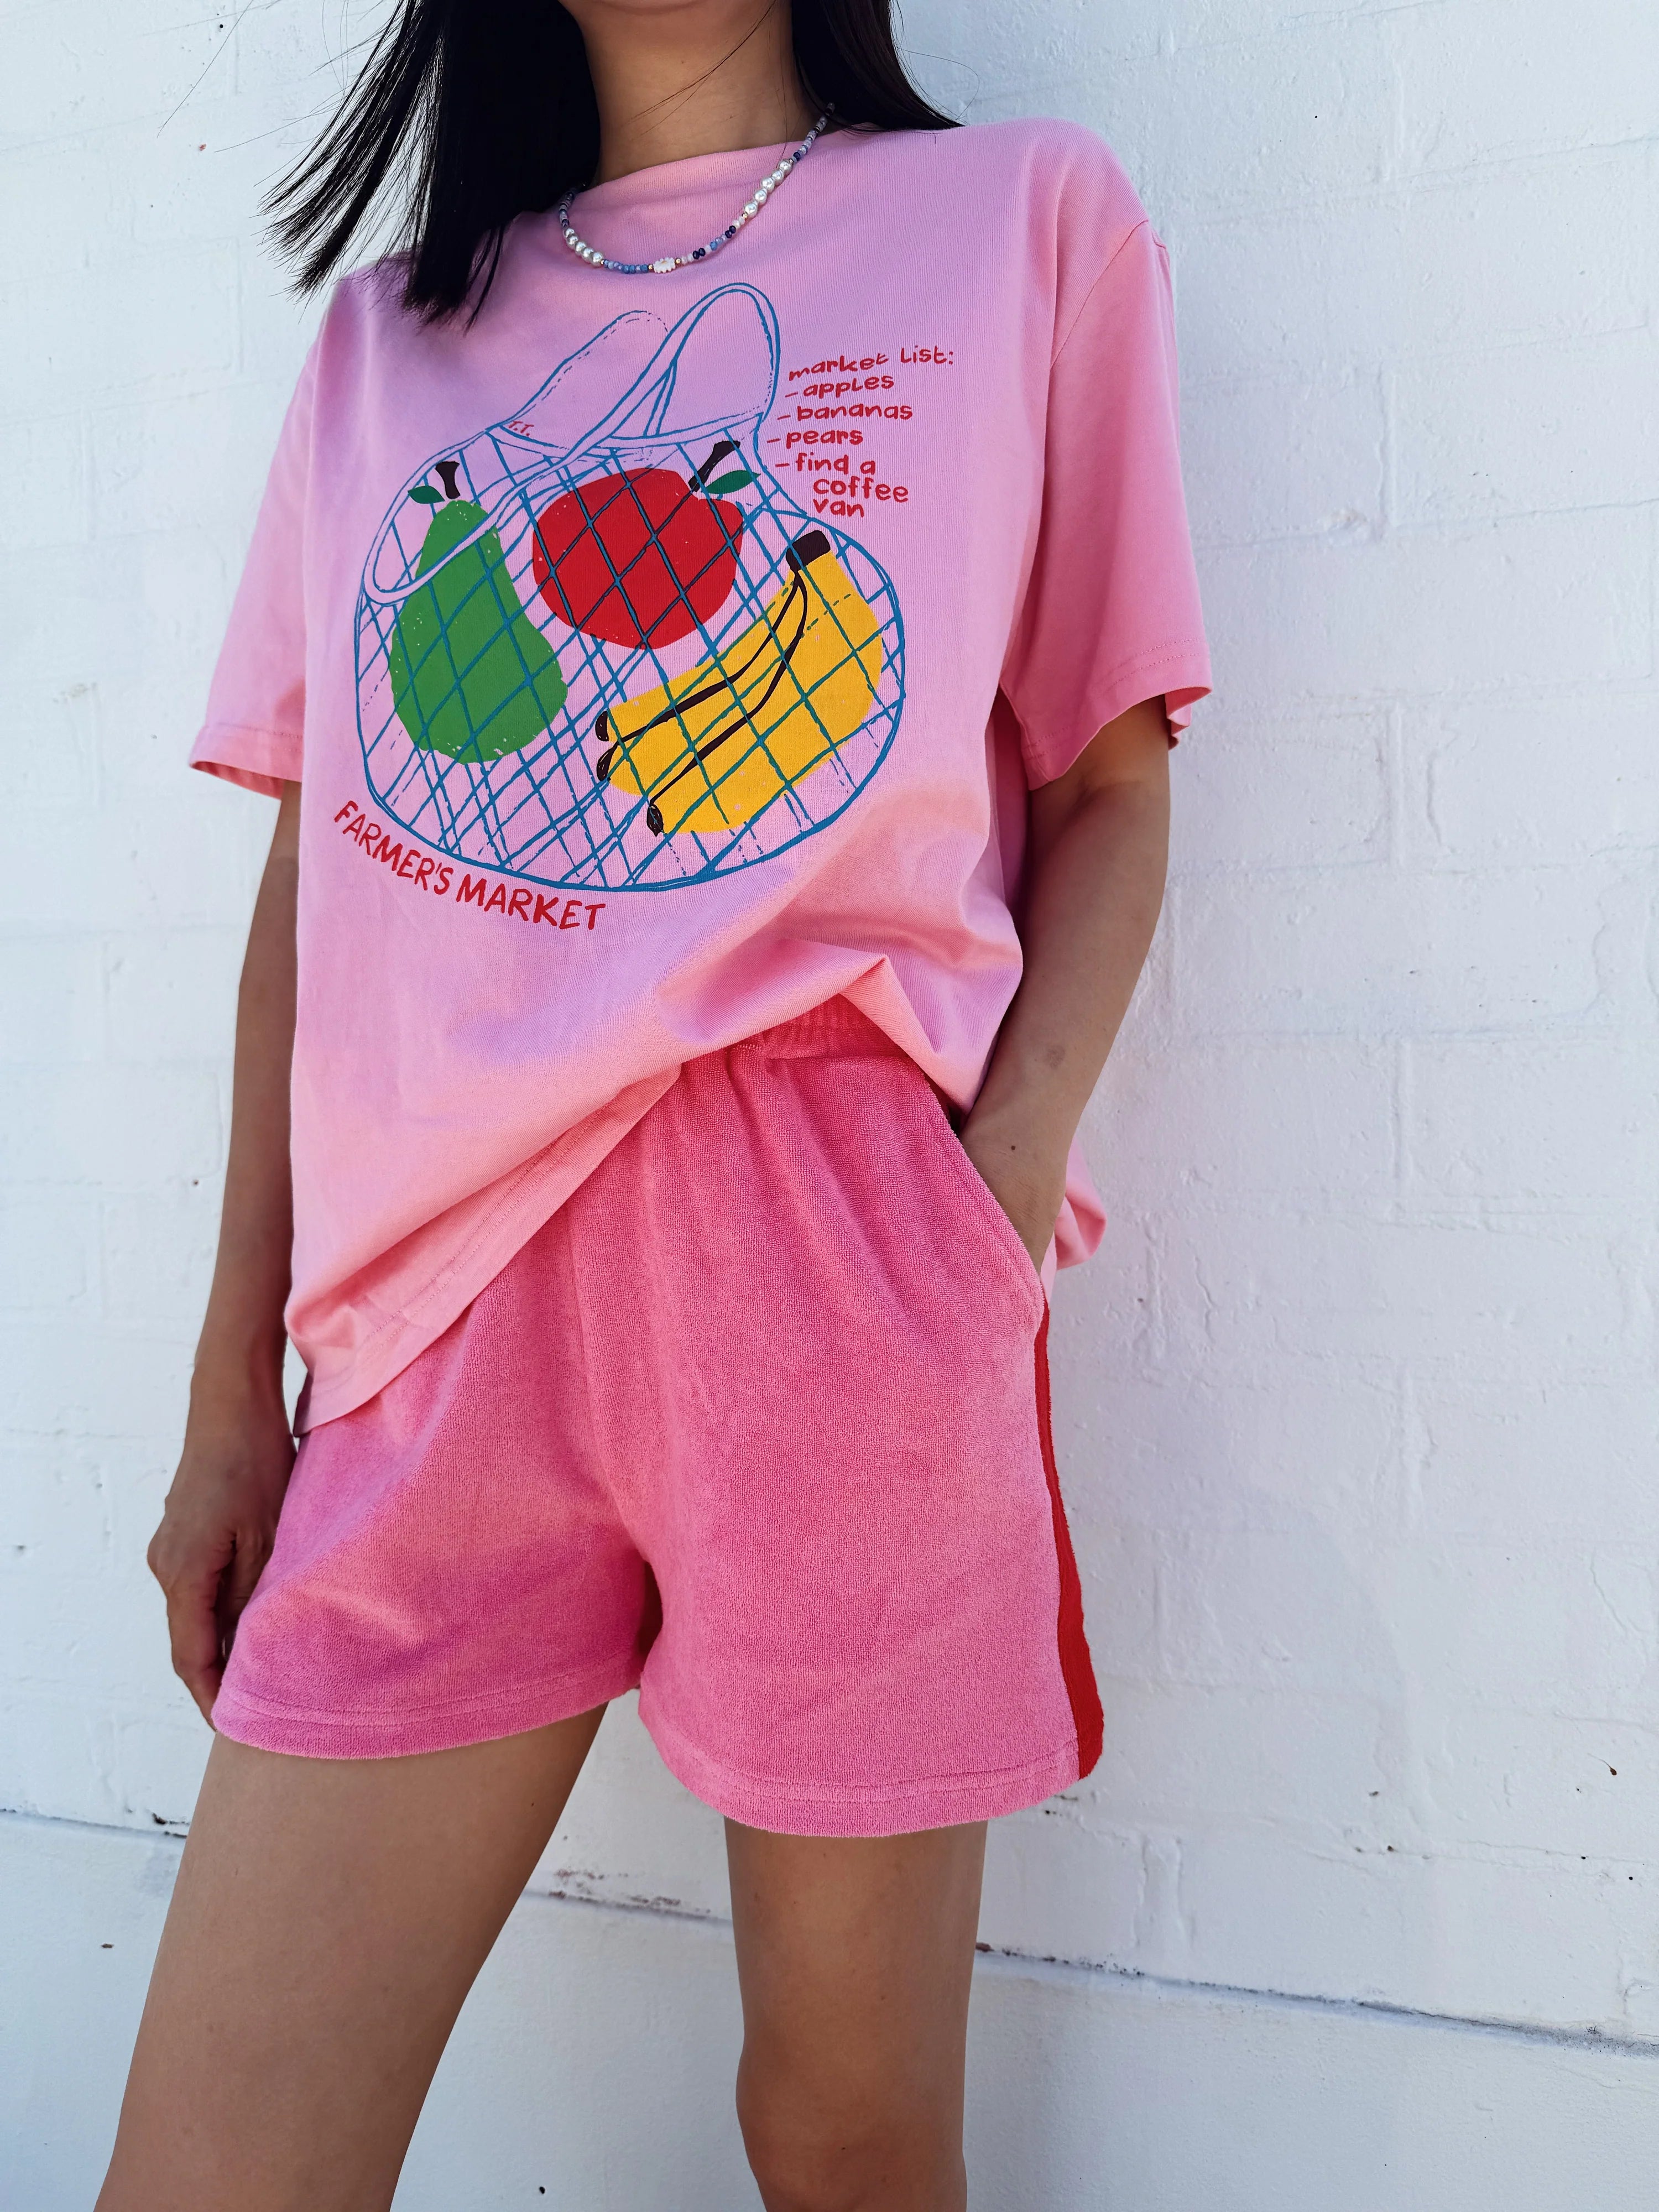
1573, 2038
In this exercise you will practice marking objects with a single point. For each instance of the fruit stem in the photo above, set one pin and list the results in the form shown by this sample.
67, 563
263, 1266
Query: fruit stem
447, 472
726, 446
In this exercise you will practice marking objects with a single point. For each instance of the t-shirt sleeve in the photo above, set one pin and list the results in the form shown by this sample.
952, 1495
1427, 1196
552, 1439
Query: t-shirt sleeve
254, 732
1111, 611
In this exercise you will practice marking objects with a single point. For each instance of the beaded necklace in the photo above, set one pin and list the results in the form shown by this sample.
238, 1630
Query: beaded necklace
762, 193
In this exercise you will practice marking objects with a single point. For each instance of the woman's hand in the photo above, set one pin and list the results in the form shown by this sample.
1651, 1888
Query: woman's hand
217, 1527
1026, 1177
1094, 882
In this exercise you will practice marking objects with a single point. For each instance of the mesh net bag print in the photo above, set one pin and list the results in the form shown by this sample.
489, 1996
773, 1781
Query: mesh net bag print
597, 644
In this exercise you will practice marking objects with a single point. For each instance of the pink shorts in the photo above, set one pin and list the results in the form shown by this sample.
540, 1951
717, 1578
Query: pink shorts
758, 1421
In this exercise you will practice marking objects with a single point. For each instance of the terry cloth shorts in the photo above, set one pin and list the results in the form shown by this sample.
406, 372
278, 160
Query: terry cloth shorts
759, 1421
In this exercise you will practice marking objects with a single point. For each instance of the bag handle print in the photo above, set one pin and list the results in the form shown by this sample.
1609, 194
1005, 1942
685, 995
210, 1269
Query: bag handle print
717, 368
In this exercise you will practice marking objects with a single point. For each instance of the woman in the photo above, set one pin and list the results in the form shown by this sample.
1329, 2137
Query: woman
690, 617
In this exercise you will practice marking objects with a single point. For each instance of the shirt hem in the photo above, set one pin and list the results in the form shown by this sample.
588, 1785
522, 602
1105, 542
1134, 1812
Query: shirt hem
243, 753
536, 1194
1178, 673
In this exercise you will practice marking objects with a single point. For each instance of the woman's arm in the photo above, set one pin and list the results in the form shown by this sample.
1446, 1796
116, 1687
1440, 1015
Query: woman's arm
221, 1513
1099, 846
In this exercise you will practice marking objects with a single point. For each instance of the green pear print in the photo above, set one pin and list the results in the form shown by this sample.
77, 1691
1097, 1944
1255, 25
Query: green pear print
472, 675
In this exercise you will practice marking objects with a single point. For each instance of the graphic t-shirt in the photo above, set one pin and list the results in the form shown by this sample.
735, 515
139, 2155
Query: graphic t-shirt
662, 656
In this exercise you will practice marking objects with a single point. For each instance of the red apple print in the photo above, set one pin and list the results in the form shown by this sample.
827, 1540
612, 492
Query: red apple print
642, 557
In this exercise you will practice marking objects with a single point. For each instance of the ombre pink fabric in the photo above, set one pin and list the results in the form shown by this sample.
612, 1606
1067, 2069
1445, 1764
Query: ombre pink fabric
966, 371
751, 1422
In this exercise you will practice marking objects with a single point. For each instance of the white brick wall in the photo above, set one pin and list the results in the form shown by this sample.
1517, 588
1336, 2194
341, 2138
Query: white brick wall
1358, 1405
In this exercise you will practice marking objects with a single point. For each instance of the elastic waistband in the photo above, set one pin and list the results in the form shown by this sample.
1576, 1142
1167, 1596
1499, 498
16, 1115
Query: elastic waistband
836, 1026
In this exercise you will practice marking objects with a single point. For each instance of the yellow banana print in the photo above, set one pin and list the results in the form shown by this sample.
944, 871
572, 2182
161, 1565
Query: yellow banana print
708, 749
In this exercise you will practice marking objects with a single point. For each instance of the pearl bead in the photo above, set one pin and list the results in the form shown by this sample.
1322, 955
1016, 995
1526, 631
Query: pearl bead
763, 192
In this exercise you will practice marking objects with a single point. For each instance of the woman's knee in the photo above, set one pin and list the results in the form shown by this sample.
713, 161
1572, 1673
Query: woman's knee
806, 2156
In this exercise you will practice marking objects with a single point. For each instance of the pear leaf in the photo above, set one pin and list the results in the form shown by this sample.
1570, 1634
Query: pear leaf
427, 496
735, 482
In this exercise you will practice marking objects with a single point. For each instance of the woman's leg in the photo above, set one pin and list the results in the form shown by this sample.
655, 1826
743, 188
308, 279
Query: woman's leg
855, 1957
329, 1918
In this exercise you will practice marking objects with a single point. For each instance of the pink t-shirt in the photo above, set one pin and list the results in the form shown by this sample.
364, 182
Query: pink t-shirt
661, 656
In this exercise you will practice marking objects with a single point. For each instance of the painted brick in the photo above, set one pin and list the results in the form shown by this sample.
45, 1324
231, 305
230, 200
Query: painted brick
57, 1754
70, 72
1379, 952
123, 1761
175, 464
183, 863
52, 990
276, 329
273, 61
1175, 1453
1109, 1896
133, 1472
1275, 1609
1422, 267
1301, 110
605, 1850
54, 1517
59, 767
157, 1251
141, 756
172, 994
1119, 1569
1532, 1617
1301, 1121
1557, 779
48, 1256
158, 1747
56, 1126
176, 309
1522, 1124
95, 1629
74, 192
1293, 791
1387, 1921
1477, 85
1220, 22
1328, 440
67, 1378
1565, 1459
1550, 599
206, 175
138, 606
1527, 427
1578, 1942
1539, 1781
1023, 59
1480, 1300
1181, 1757
44, 466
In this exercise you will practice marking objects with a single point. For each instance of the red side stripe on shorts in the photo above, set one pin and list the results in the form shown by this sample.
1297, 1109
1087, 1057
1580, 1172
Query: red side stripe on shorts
1075, 1664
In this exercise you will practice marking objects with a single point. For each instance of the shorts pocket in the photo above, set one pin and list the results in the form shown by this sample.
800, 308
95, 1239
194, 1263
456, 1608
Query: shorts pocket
983, 1200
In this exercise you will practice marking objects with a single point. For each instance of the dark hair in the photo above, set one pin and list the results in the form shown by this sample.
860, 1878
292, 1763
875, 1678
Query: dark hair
478, 111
